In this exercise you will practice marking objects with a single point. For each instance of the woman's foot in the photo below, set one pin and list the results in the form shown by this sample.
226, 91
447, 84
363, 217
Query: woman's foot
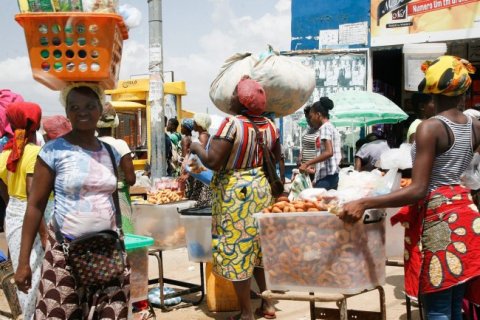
241, 317
266, 310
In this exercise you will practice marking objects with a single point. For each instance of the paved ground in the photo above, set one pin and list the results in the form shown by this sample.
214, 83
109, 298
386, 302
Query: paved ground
178, 267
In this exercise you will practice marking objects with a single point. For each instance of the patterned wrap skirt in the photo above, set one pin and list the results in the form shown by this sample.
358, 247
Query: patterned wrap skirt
450, 239
442, 242
237, 195
14, 218
59, 296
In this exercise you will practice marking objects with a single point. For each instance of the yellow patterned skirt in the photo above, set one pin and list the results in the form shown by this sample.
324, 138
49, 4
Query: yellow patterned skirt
237, 195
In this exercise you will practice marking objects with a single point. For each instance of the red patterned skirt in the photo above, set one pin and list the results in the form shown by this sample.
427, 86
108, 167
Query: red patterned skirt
59, 297
442, 241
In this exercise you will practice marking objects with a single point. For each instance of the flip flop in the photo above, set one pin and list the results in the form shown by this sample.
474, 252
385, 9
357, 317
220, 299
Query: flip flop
267, 315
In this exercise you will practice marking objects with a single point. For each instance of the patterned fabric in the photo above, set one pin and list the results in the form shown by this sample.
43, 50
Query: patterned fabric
17, 181
447, 75
97, 260
236, 196
442, 241
202, 194
188, 123
84, 183
59, 297
245, 152
15, 214
25, 118
331, 165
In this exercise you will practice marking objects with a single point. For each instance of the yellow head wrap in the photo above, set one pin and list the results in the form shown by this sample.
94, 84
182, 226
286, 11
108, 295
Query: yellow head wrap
446, 75
72, 85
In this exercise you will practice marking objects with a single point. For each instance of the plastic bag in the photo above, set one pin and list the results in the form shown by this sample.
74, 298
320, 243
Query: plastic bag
400, 158
102, 6
197, 170
311, 194
232, 71
300, 183
471, 177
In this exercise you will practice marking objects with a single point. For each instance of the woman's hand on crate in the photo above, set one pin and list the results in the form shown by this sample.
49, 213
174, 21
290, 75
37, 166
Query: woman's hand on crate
352, 211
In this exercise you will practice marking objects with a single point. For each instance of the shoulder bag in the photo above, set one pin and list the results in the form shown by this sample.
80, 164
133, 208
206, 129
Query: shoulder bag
96, 258
269, 166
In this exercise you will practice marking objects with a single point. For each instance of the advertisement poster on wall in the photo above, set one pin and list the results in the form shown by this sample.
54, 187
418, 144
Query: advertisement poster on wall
338, 72
415, 21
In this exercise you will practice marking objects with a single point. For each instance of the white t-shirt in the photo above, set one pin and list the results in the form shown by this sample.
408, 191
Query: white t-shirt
120, 145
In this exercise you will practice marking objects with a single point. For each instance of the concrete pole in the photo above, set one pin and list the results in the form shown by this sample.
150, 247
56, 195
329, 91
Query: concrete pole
157, 114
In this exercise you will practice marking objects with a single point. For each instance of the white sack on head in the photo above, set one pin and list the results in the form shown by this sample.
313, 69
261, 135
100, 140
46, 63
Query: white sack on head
232, 71
288, 84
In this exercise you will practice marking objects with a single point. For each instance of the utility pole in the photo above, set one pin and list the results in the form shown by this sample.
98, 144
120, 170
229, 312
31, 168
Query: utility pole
158, 159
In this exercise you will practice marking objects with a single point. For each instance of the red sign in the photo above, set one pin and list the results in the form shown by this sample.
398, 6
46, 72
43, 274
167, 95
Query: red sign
420, 7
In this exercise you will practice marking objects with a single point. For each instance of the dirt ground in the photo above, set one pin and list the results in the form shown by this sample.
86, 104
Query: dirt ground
177, 266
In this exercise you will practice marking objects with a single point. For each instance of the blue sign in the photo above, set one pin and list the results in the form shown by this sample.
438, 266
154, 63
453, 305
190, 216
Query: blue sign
311, 16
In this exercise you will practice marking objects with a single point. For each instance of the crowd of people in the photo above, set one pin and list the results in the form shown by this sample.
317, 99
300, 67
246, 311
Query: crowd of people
80, 187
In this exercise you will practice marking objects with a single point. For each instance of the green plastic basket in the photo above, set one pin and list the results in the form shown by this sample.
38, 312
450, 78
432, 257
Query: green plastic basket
133, 241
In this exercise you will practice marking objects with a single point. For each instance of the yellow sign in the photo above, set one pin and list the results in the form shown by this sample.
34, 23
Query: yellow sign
416, 21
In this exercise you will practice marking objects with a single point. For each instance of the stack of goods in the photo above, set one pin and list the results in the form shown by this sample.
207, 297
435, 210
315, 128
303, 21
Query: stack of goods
164, 191
103, 6
73, 41
164, 196
322, 202
317, 252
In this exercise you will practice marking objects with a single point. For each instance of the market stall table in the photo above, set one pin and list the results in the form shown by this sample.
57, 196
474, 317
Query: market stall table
162, 223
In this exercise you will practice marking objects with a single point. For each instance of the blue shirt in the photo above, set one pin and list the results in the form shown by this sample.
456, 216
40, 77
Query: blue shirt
84, 183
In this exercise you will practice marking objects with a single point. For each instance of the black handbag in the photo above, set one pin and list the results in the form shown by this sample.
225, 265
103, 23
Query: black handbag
96, 258
269, 166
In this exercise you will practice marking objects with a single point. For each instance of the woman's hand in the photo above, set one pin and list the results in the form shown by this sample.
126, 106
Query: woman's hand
303, 168
23, 277
352, 211
43, 240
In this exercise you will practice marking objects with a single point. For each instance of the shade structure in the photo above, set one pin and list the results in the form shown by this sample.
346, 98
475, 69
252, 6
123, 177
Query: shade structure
360, 108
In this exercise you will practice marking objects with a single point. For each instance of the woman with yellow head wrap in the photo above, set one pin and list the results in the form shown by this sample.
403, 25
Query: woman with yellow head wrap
441, 218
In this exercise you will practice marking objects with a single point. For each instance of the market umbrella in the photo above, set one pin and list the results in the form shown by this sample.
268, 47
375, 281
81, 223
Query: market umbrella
363, 108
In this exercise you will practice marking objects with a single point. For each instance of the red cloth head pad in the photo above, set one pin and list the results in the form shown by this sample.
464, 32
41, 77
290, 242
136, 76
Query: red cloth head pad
252, 96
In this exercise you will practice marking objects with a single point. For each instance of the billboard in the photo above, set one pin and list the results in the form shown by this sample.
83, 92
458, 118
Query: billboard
415, 21
336, 18
334, 72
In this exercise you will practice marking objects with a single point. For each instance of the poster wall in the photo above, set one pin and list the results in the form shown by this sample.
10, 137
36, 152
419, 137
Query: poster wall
334, 73
414, 21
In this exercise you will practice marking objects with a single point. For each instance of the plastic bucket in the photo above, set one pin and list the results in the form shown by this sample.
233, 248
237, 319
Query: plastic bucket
198, 232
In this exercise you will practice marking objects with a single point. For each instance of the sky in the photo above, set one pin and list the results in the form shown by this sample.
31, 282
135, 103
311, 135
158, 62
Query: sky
198, 36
